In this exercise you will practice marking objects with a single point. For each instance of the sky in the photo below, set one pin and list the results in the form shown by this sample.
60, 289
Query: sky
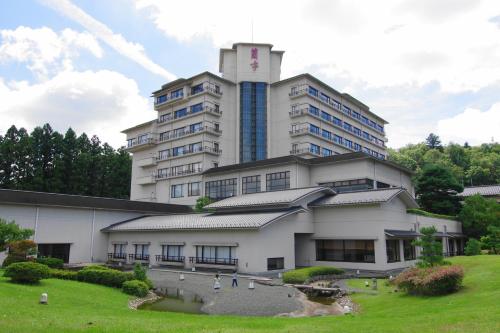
423, 65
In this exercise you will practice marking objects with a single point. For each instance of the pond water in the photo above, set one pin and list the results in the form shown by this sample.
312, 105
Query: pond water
325, 300
176, 300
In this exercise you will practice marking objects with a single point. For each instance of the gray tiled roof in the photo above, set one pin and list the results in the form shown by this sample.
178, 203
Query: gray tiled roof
275, 198
366, 197
201, 221
487, 190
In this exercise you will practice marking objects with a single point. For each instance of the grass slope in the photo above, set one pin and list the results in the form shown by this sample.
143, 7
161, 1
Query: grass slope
75, 306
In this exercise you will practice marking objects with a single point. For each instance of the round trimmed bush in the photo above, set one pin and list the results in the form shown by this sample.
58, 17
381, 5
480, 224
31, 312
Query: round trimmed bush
63, 274
135, 287
473, 247
27, 272
12, 259
105, 276
438, 280
51, 262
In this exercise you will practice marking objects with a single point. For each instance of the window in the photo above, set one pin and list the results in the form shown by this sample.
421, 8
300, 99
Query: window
336, 104
180, 113
250, 184
177, 151
324, 98
367, 150
356, 131
347, 126
380, 128
222, 255
141, 251
350, 185
357, 147
197, 89
314, 149
164, 135
177, 93
161, 99
313, 110
195, 127
278, 181
345, 250
253, 121
326, 116
383, 185
196, 108
195, 147
176, 191
326, 152
381, 156
275, 263
163, 154
337, 139
346, 109
143, 138
392, 248
131, 142
365, 120
348, 143
355, 114
162, 173
326, 134
313, 91
409, 250
313, 129
221, 189
119, 248
165, 117
172, 252
337, 121
366, 135
194, 189
179, 131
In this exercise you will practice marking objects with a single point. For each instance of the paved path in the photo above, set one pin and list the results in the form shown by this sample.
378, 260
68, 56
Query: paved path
262, 301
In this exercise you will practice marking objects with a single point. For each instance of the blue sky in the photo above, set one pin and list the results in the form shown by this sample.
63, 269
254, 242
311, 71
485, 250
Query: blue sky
425, 66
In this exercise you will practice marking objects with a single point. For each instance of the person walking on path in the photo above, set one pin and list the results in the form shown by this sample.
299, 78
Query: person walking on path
217, 283
235, 279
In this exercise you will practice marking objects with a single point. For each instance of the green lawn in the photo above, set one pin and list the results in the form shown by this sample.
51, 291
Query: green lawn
78, 306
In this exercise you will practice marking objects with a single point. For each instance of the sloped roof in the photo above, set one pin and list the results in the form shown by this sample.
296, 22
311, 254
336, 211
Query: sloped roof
201, 221
367, 197
487, 190
274, 198
401, 233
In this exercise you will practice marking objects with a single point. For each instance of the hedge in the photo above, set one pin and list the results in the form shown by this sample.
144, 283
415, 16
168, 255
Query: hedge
51, 262
417, 211
135, 287
301, 275
439, 280
105, 276
63, 274
27, 272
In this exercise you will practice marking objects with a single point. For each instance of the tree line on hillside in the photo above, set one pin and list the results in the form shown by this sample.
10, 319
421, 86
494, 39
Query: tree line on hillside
48, 161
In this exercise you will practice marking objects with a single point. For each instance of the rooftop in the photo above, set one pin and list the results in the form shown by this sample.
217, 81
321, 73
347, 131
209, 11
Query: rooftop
68, 200
364, 197
485, 190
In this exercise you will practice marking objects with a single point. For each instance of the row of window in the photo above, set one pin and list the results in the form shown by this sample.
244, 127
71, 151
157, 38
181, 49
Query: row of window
317, 150
393, 250
345, 125
179, 93
347, 110
141, 139
354, 185
179, 170
193, 109
178, 190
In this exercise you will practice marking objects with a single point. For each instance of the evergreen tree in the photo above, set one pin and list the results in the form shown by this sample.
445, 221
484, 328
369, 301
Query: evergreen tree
432, 250
433, 142
477, 214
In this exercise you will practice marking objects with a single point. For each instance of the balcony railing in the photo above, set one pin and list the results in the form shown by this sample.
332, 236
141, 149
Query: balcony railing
189, 113
206, 88
119, 256
300, 151
143, 257
169, 98
214, 261
173, 136
178, 173
139, 142
163, 258
190, 151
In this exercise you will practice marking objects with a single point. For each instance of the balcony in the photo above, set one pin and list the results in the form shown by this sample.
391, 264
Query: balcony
299, 131
182, 173
206, 88
192, 151
190, 132
170, 260
138, 143
213, 262
138, 257
168, 100
147, 180
206, 109
145, 162
117, 256
305, 151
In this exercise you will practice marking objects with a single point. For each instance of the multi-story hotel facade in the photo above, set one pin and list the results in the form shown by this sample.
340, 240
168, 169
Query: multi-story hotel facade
247, 114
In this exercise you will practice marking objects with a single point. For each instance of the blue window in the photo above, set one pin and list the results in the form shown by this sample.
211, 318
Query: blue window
177, 93
326, 152
326, 116
335, 103
365, 120
161, 99
326, 134
314, 149
176, 151
357, 147
356, 131
337, 121
337, 139
197, 89
348, 143
366, 150
373, 124
253, 121
366, 135
347, 126
356, 115
180, 113
313, 91
374, 153
195, 147
381, 156
313, 110
313, 129
380, 128
195, 127
324, 98
346, 109
196, 108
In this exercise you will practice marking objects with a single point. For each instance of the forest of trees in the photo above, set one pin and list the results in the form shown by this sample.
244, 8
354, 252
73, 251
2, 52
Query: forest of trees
471, 166
47, 161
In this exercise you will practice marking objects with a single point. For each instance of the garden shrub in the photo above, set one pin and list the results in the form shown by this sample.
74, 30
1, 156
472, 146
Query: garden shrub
140, 274
135, 287
105, 276
473, 247
431, 281
301, 275
51, 262
10, 259
63, 274
27, 272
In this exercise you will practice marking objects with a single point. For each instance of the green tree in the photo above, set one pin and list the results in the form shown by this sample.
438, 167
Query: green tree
431, 250
437, 189
433, 142
10, 232
491, 241
473, 247
201, 202
477, 214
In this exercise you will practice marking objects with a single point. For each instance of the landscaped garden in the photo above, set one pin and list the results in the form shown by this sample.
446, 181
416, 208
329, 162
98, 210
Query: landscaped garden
76, 306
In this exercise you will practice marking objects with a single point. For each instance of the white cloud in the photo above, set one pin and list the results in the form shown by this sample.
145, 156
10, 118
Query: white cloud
44, 50
472, 125
133, 51
101, 103
428, 40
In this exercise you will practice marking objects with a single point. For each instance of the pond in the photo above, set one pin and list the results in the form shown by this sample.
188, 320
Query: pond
325, 300
176, 300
